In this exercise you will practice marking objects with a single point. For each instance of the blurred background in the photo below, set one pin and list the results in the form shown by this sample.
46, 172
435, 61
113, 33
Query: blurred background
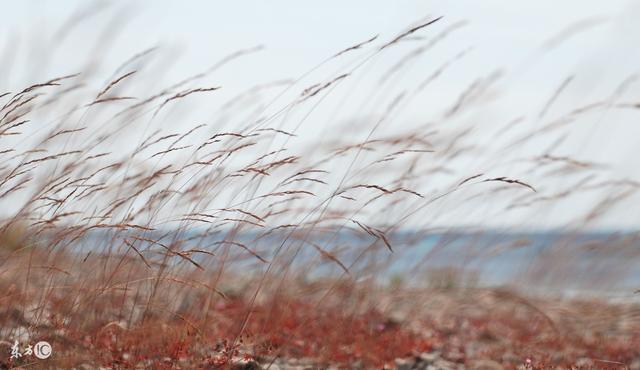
528, 51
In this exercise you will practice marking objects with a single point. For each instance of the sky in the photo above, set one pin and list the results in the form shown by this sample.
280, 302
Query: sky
299, 34
537, 45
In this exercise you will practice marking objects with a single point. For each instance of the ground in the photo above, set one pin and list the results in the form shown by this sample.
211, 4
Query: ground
304, 327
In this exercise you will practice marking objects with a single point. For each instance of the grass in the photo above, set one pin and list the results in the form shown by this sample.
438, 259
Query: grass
133, 237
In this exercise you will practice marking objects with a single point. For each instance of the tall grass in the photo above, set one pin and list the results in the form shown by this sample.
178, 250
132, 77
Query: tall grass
133, 236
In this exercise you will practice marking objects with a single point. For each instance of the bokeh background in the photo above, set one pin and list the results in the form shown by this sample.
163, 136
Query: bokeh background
528, 51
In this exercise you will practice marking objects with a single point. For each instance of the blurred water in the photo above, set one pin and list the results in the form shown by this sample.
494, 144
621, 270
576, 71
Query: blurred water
571, 263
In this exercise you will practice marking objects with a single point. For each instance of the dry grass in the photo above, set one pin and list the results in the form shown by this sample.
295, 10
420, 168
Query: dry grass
136, 238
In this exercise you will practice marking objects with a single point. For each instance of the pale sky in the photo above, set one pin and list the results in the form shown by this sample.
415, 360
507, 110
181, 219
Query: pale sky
518, 37
298, 35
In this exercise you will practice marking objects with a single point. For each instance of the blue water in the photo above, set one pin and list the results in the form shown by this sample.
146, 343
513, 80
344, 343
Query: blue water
599, 261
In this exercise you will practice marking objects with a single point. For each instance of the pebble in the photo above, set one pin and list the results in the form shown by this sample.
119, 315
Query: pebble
485, 365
